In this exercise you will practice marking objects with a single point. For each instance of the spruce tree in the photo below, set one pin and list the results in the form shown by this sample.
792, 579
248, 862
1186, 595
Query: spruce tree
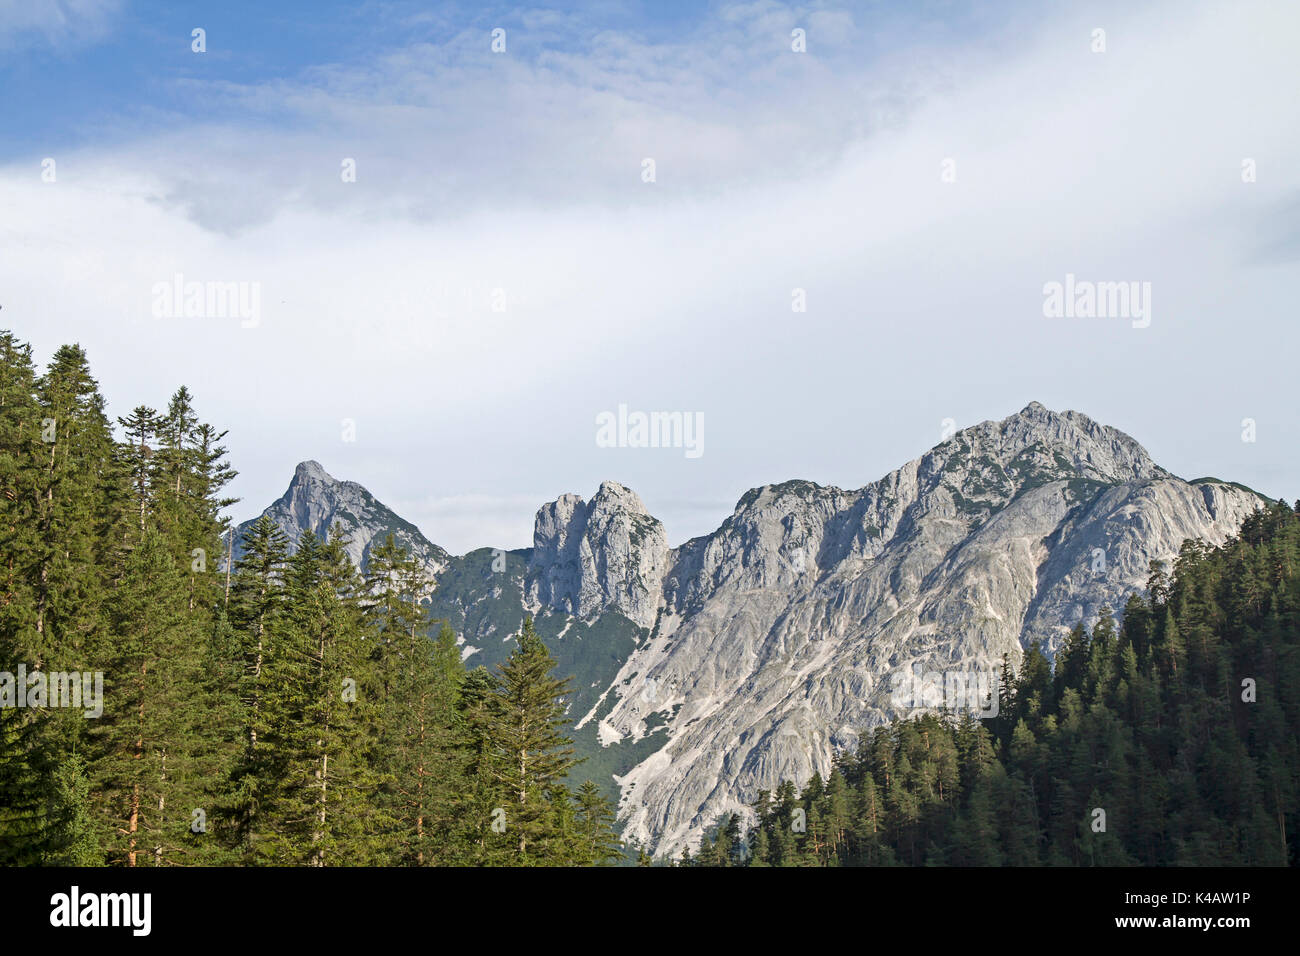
21, 553
530, 752
598, 843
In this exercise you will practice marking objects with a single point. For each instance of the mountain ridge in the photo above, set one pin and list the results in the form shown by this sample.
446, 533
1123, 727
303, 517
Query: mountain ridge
318, 501
771, 642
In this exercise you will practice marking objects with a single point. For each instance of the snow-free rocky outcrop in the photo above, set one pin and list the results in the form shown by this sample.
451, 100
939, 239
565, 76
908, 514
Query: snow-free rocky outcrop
589, 556
317, 501
782, 634
777, 639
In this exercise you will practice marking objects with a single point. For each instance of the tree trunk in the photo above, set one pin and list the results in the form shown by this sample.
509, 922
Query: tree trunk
133, 825
323, 773
162, 803
230, 550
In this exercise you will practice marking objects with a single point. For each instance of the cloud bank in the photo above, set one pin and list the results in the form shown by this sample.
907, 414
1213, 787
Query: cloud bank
501, 273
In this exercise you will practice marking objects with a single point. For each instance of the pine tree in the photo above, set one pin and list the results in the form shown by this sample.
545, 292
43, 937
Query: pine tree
529, 750
74, 557
140, 742
79, 504
424, 735
21, 551
598, 842
256, 612
76, 838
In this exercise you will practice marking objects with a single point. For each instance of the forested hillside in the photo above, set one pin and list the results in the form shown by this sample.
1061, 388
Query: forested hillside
292, 710
1170, 740
286, 711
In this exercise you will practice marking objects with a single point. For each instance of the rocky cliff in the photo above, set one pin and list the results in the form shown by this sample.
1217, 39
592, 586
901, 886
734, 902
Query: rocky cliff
785, 633
605, 553
317, 501
751, 654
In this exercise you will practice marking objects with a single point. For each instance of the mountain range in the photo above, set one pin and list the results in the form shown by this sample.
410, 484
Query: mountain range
707, 672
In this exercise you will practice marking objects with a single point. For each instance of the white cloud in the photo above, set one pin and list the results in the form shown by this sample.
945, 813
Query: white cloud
56, 23
924, 297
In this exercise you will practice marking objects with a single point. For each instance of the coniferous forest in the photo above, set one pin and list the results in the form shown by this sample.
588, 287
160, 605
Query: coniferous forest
285, 709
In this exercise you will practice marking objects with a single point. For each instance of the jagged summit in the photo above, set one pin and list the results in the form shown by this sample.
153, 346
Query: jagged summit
984, 466
312, 471
767, 645
780, 633
317, 501
589, 556
1057, 442
615, 494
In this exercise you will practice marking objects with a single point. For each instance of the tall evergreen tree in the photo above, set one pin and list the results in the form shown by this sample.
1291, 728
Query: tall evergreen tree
530, 752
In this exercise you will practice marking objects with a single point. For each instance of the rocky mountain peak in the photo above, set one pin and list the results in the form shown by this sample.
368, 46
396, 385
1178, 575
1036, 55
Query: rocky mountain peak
311, 471
318, 502
775, 641
783, 631
613, 496
590, 556
1041, 442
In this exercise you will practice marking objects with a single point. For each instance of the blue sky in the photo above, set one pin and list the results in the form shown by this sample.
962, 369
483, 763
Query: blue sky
82, 71
523, 173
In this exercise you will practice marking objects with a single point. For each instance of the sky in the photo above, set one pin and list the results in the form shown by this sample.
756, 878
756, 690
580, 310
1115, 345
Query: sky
455, 260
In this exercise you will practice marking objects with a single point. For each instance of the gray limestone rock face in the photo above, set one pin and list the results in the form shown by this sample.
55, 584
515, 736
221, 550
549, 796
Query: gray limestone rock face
317, 501
791, 630
801, 622
591, 556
